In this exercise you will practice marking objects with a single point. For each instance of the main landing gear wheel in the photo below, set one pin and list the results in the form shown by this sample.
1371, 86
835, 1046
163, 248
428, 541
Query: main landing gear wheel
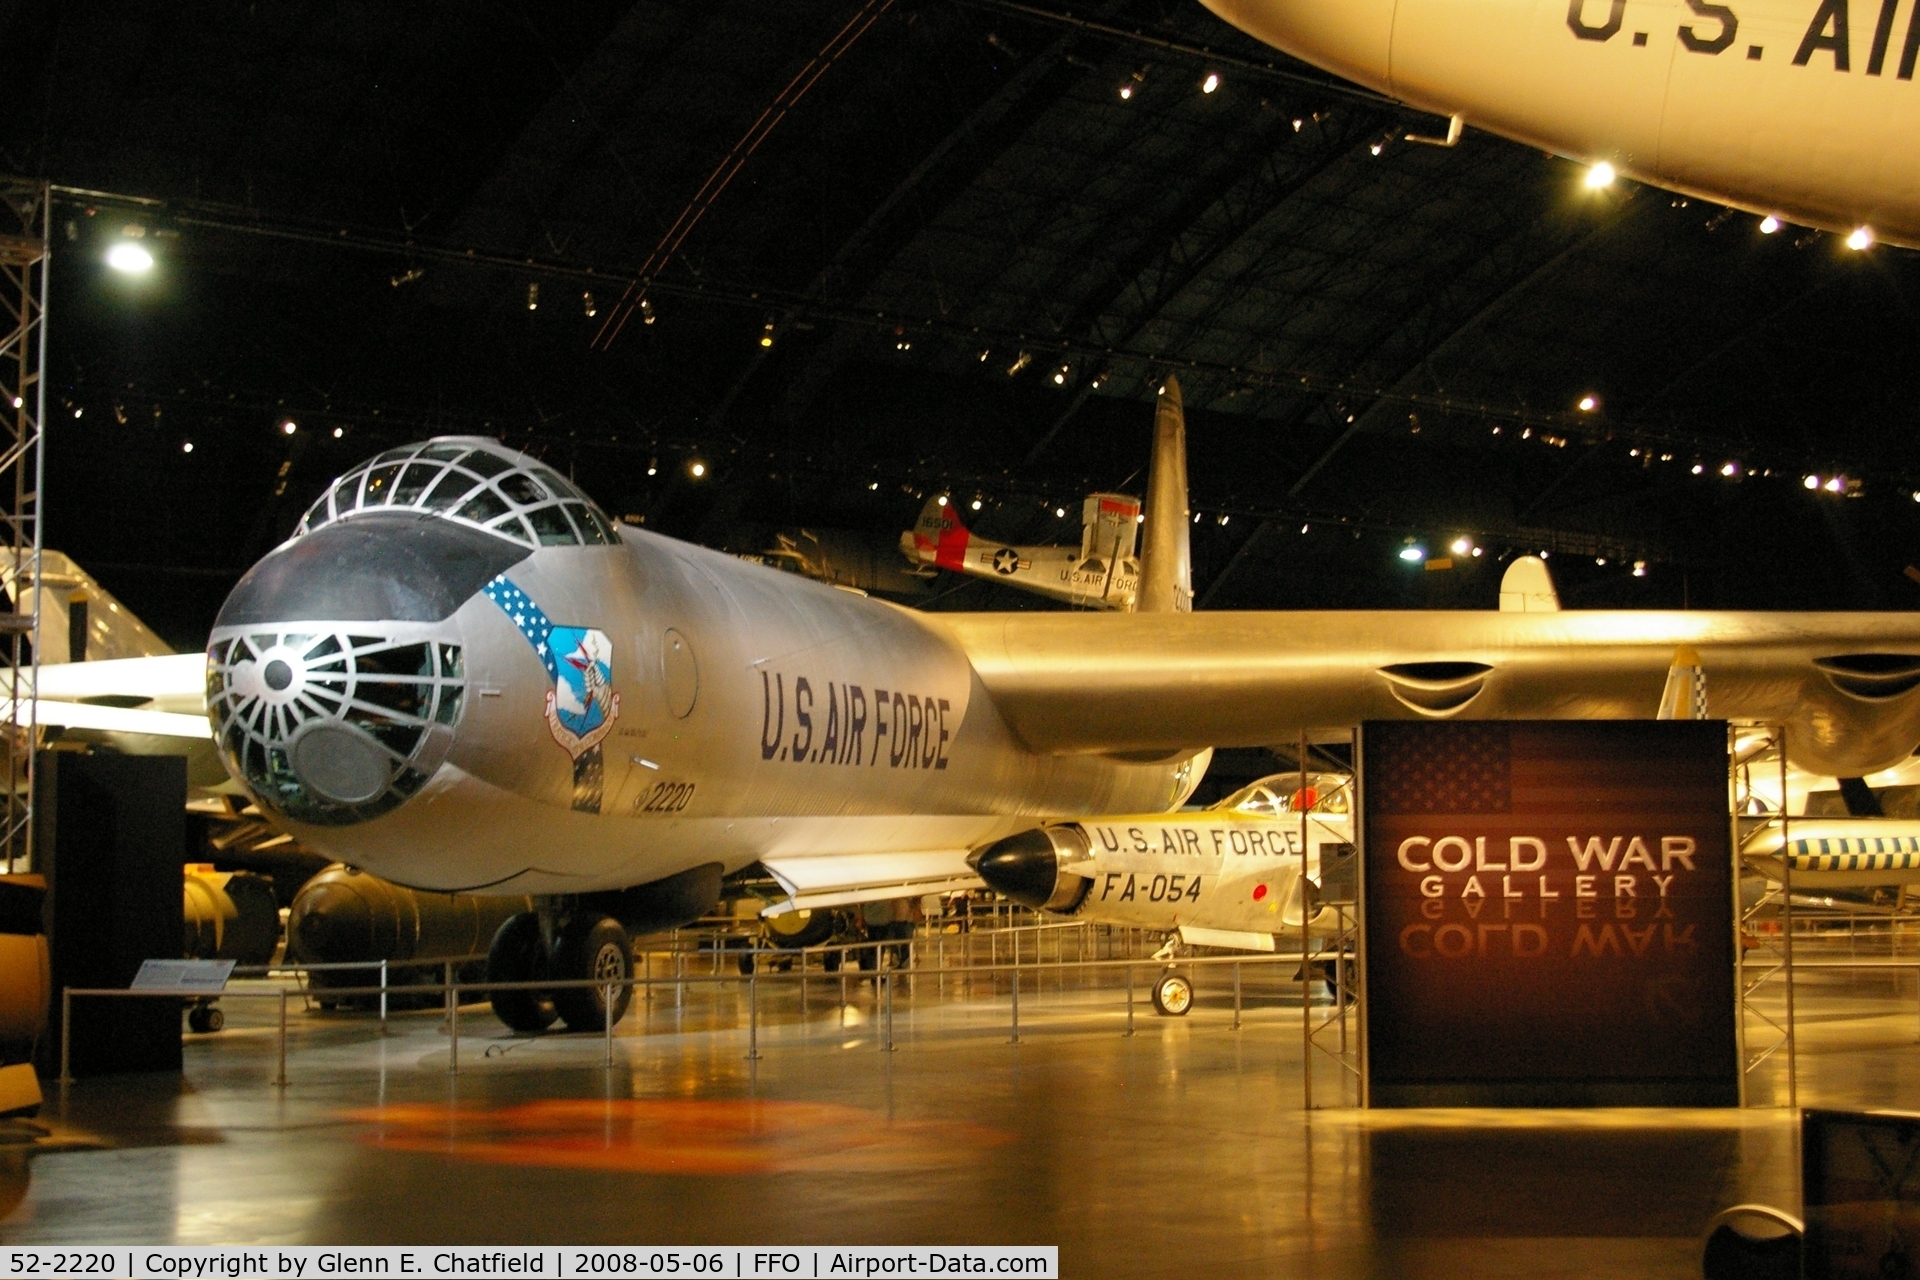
518, 953
1173, 995
592, 947
205, 1018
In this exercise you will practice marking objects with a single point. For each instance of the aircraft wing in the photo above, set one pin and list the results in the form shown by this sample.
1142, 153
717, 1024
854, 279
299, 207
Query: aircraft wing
164, 696
834, 880
1128, 684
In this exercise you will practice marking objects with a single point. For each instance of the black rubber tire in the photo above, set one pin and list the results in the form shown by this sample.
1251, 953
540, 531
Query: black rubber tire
205, 1019
1172, 995
746, 964
592, 947
518, 953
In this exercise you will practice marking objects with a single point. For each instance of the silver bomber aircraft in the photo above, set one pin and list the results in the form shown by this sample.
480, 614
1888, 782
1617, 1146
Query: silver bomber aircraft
1801, 109
459, 675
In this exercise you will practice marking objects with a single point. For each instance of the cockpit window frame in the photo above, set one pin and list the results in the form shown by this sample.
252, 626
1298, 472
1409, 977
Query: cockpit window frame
495, 472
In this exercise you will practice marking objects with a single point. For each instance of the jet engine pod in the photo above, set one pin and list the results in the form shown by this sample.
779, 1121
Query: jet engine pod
1031, 867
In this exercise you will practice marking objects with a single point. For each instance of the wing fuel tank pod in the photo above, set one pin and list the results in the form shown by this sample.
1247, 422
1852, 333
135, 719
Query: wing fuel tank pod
1034, 868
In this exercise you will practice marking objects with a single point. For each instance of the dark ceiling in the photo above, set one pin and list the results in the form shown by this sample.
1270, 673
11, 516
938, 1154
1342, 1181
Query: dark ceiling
355, 202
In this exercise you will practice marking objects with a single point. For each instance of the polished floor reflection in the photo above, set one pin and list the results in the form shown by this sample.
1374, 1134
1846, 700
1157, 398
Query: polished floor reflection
1181, 1150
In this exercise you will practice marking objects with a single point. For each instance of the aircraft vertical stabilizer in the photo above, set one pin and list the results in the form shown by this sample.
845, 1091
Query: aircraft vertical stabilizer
1166, 562
1685, 696
1527, 587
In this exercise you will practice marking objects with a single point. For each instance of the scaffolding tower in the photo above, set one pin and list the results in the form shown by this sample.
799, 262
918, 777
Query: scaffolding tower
25, 217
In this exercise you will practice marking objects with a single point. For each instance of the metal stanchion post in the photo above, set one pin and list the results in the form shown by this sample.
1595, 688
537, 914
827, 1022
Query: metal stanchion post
1306, 974
753, 1015
609, 1021
1016, 1003
281, 1079
679, 974
383, 997
66, 1036
843, 984
453, 1026
889, 1036
1129, 999
1236, 995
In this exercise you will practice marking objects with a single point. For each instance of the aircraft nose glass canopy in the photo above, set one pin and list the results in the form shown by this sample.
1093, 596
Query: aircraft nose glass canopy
332, 729
1280, 793
472, 481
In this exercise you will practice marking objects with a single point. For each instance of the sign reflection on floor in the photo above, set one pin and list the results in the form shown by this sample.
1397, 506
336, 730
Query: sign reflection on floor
695, 1137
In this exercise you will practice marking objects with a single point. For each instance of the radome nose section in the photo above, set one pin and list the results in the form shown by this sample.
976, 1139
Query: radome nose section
375, 568
1023, 867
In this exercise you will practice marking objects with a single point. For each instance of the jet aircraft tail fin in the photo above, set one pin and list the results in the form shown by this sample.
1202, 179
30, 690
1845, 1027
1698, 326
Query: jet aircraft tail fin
938, 538
1166, 561
1527, 587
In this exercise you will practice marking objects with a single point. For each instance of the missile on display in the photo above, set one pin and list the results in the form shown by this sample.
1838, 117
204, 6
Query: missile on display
1779, 107
1101, 573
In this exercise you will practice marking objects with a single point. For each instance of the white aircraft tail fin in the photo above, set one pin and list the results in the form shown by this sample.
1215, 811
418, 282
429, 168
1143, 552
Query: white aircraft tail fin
1685, 697
1166, 561
1527, 587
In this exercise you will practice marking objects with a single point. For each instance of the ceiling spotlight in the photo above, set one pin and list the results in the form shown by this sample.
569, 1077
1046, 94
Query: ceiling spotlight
1061, 512
653, 466
18, 401
1126, 90
1060, 376
186, 446
646, 311
533, 296
976, 504
78, 411
1413, 554
1223, 517
129, 258
339, 432
903, 345
1461, 546
1296, 126
1526, 433
1600, 560
1862, 238
1589, 402
1211, 83
872, 488
1810, 482
1769, 225
1730, 470
1020, 362
289, 427
1377, 147
697, 469
1304, 528
766, 335
586, 303
1600, 176
1916, 495
1698, 469
1098, 379
1666, 457
1477, 551
1836, 485
1639, 568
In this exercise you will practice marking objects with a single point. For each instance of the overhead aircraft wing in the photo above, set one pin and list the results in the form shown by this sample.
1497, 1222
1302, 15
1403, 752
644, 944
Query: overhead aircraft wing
164, 696
1125, 684
833, 880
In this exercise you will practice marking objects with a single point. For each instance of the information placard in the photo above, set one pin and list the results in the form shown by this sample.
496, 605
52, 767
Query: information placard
1549, 914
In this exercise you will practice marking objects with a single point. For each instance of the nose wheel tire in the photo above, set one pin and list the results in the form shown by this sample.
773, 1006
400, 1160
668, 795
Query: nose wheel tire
1173, 995
519, 954
205, 1019
592, 947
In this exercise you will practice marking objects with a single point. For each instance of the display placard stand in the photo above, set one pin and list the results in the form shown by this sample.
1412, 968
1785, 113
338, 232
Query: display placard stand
1763, 958
1336, 1033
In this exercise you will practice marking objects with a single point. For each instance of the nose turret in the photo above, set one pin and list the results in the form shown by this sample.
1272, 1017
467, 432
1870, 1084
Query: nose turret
1031, 868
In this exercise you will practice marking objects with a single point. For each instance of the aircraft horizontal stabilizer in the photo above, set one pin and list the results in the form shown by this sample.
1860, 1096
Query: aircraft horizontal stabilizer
832, 880
86, 715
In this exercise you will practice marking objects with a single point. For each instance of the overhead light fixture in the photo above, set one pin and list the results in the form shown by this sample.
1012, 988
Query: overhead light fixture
1060, 512
942, 499
1304, 528
1698, 469
1861, 238
289, 427
1837, 484
646, 311
1461, 546
697, 469
129, 259
1589, 402
78, 411
766, 335
1413, 554
1126, 90
1769, 225
533, 296
653, 466
1060, 376
976, 504
339, 432
872, 488
1600, 176
1810, 482
1477, 551
186, 446
18, 401
1730, 470
1020, 362
1211, 83
587, 304
1223, 517
1639, 568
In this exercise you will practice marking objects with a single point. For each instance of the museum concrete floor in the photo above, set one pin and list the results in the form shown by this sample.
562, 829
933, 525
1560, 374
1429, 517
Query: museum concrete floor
1182, 1150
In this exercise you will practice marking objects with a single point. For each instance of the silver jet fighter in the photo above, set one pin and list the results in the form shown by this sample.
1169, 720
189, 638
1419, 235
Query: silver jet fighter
460, 676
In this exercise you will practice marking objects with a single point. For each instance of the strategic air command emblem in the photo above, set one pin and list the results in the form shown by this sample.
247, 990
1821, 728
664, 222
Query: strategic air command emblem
582, 706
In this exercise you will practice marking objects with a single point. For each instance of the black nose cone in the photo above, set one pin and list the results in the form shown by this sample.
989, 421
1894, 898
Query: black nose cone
372, 568
1023, 867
